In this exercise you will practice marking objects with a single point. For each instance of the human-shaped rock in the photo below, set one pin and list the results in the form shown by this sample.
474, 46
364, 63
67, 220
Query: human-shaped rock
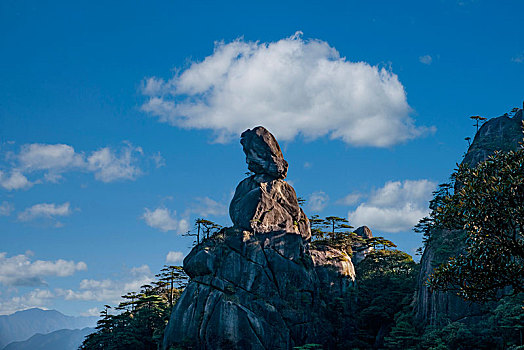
263, 154
264, 202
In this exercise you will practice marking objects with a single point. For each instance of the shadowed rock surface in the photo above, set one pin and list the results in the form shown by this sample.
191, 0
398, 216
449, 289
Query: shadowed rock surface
497, 134
263, 154
256, 285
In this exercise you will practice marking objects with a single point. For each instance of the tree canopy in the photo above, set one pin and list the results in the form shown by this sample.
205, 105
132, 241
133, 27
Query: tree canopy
488, 204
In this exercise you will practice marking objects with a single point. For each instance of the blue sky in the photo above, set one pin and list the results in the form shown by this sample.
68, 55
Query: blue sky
119, 123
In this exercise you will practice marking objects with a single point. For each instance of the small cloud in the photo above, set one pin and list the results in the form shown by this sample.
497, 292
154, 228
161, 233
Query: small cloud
518, 59
164, 220
317, 201
6, 208
14, 181
35, 298
206, 206
54, 158
91, 312
50, 161
19, 270
307, 165
110, 166
109, 290
395, 207
45, 210
426, 59
158, 159
350, 199
175, 257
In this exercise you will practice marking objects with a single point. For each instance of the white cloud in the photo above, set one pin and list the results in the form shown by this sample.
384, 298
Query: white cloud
35, 298
14, 181
158, 159
50, 161
292, 86
350, 199
397, 206
206, 206
174, 257
109, 290
19, 270
164, 220
55, 158
91, 312
426, 59
109, 166
317, 201
45, 210
518, 59
6, 208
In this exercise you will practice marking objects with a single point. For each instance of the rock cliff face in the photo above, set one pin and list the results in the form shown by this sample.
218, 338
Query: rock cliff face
257, 285
497, 134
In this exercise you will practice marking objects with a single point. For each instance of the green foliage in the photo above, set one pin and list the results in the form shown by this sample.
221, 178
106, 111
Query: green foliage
459, 335
143, 316
385, 286
308, 347
489, 206
204, 229
508, 319
403, 334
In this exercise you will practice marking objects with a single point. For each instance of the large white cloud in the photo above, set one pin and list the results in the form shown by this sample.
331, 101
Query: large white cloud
290, 86
19, 270
395, 207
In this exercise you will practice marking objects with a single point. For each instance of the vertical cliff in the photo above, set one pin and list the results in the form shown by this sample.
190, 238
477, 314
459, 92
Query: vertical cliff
497, 134
257, 285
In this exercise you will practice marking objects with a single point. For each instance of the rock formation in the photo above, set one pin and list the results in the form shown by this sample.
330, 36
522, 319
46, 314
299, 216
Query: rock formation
361, 251
497, 134
256, 285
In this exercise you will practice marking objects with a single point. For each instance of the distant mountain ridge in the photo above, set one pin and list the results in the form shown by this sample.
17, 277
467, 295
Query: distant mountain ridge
64, 339
23, 324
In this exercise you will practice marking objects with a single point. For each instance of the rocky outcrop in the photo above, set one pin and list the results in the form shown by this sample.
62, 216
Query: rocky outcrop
334, 269
436, 307
263, 154
264, 205
360, 251
497, 134
257, 285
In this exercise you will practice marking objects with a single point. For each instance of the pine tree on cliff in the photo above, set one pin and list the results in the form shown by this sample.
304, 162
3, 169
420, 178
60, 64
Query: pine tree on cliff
335, 224
142, 316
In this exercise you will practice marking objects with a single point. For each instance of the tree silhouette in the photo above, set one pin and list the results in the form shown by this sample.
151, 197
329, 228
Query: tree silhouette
477, 119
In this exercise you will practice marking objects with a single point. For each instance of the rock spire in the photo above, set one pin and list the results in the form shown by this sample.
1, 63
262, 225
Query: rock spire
257, 285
